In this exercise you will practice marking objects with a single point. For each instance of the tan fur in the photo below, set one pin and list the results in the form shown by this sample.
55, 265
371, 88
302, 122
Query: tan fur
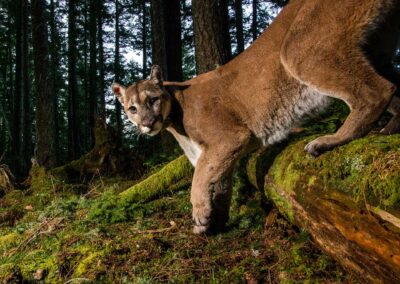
314, 50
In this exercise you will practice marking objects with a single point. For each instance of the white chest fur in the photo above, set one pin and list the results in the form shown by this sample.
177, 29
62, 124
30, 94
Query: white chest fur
191, 149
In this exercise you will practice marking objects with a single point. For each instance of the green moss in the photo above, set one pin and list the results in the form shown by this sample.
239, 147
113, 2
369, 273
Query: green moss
39, 259
158, 183
39, 180
90, 262
113, 208
367, 168
9, 240
107, 209
283, 204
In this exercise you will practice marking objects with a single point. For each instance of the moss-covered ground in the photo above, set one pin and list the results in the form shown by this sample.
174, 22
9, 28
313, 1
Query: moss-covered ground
61, 232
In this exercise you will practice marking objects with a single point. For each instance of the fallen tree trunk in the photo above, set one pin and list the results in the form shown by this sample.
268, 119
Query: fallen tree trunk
173, 176
348, 200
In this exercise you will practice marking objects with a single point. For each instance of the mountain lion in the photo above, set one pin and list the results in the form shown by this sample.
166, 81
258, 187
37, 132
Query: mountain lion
314, 50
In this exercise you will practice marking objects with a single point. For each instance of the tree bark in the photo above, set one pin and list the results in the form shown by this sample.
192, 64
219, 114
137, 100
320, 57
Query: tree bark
92, 92
254, 21
26, 147
144, 38
45, 147
173, 40
342, 199
54, 67
209, 42
159, 49
73, 125
167, 43
86, 99
17, 112
9, 82
239, 25
117, 68
225, 25
102, 101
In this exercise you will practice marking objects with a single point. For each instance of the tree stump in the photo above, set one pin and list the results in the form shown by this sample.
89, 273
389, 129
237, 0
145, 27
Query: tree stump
106, 158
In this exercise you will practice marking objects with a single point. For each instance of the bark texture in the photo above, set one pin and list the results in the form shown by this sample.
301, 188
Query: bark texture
209, 41
117, 69
167, 43
239, 25
46, 153
92, 71
73, 124
254, 20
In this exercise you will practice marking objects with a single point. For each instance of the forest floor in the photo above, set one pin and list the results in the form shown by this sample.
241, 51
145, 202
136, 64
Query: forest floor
56, 232
55, 240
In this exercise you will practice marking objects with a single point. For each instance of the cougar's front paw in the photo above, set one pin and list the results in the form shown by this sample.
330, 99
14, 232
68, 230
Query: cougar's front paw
318, 146
201, 218
199, 230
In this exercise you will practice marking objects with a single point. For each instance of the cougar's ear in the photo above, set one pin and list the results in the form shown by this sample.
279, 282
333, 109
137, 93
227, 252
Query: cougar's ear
156, 75
119, 92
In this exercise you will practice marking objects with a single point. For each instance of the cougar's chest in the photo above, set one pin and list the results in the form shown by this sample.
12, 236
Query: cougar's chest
191, 149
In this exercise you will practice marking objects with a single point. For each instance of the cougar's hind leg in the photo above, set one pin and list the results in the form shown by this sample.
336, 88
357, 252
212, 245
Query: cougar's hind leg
393, 126
368, 97
332, 61
350, 78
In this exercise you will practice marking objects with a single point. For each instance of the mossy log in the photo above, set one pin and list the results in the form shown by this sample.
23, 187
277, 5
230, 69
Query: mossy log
348, 199
173, 176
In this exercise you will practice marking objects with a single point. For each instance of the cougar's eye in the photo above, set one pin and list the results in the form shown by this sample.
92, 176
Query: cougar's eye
153, 100
132, 109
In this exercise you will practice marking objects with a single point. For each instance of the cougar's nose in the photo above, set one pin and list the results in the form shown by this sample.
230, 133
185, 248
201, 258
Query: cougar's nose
148, 122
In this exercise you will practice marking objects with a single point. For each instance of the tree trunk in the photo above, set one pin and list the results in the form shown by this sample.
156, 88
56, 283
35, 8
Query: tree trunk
92, 72
173, 40
239, 25
102, 101
254, 21
26, 148
224, 19
144, 38
9, 82
54, 67
86, 131
159, 49
117, 72
209, 41
73, 125
347, 199
16, 112
45, 151
167, 43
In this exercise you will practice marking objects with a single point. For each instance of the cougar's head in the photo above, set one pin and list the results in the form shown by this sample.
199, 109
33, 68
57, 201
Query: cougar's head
146, 103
